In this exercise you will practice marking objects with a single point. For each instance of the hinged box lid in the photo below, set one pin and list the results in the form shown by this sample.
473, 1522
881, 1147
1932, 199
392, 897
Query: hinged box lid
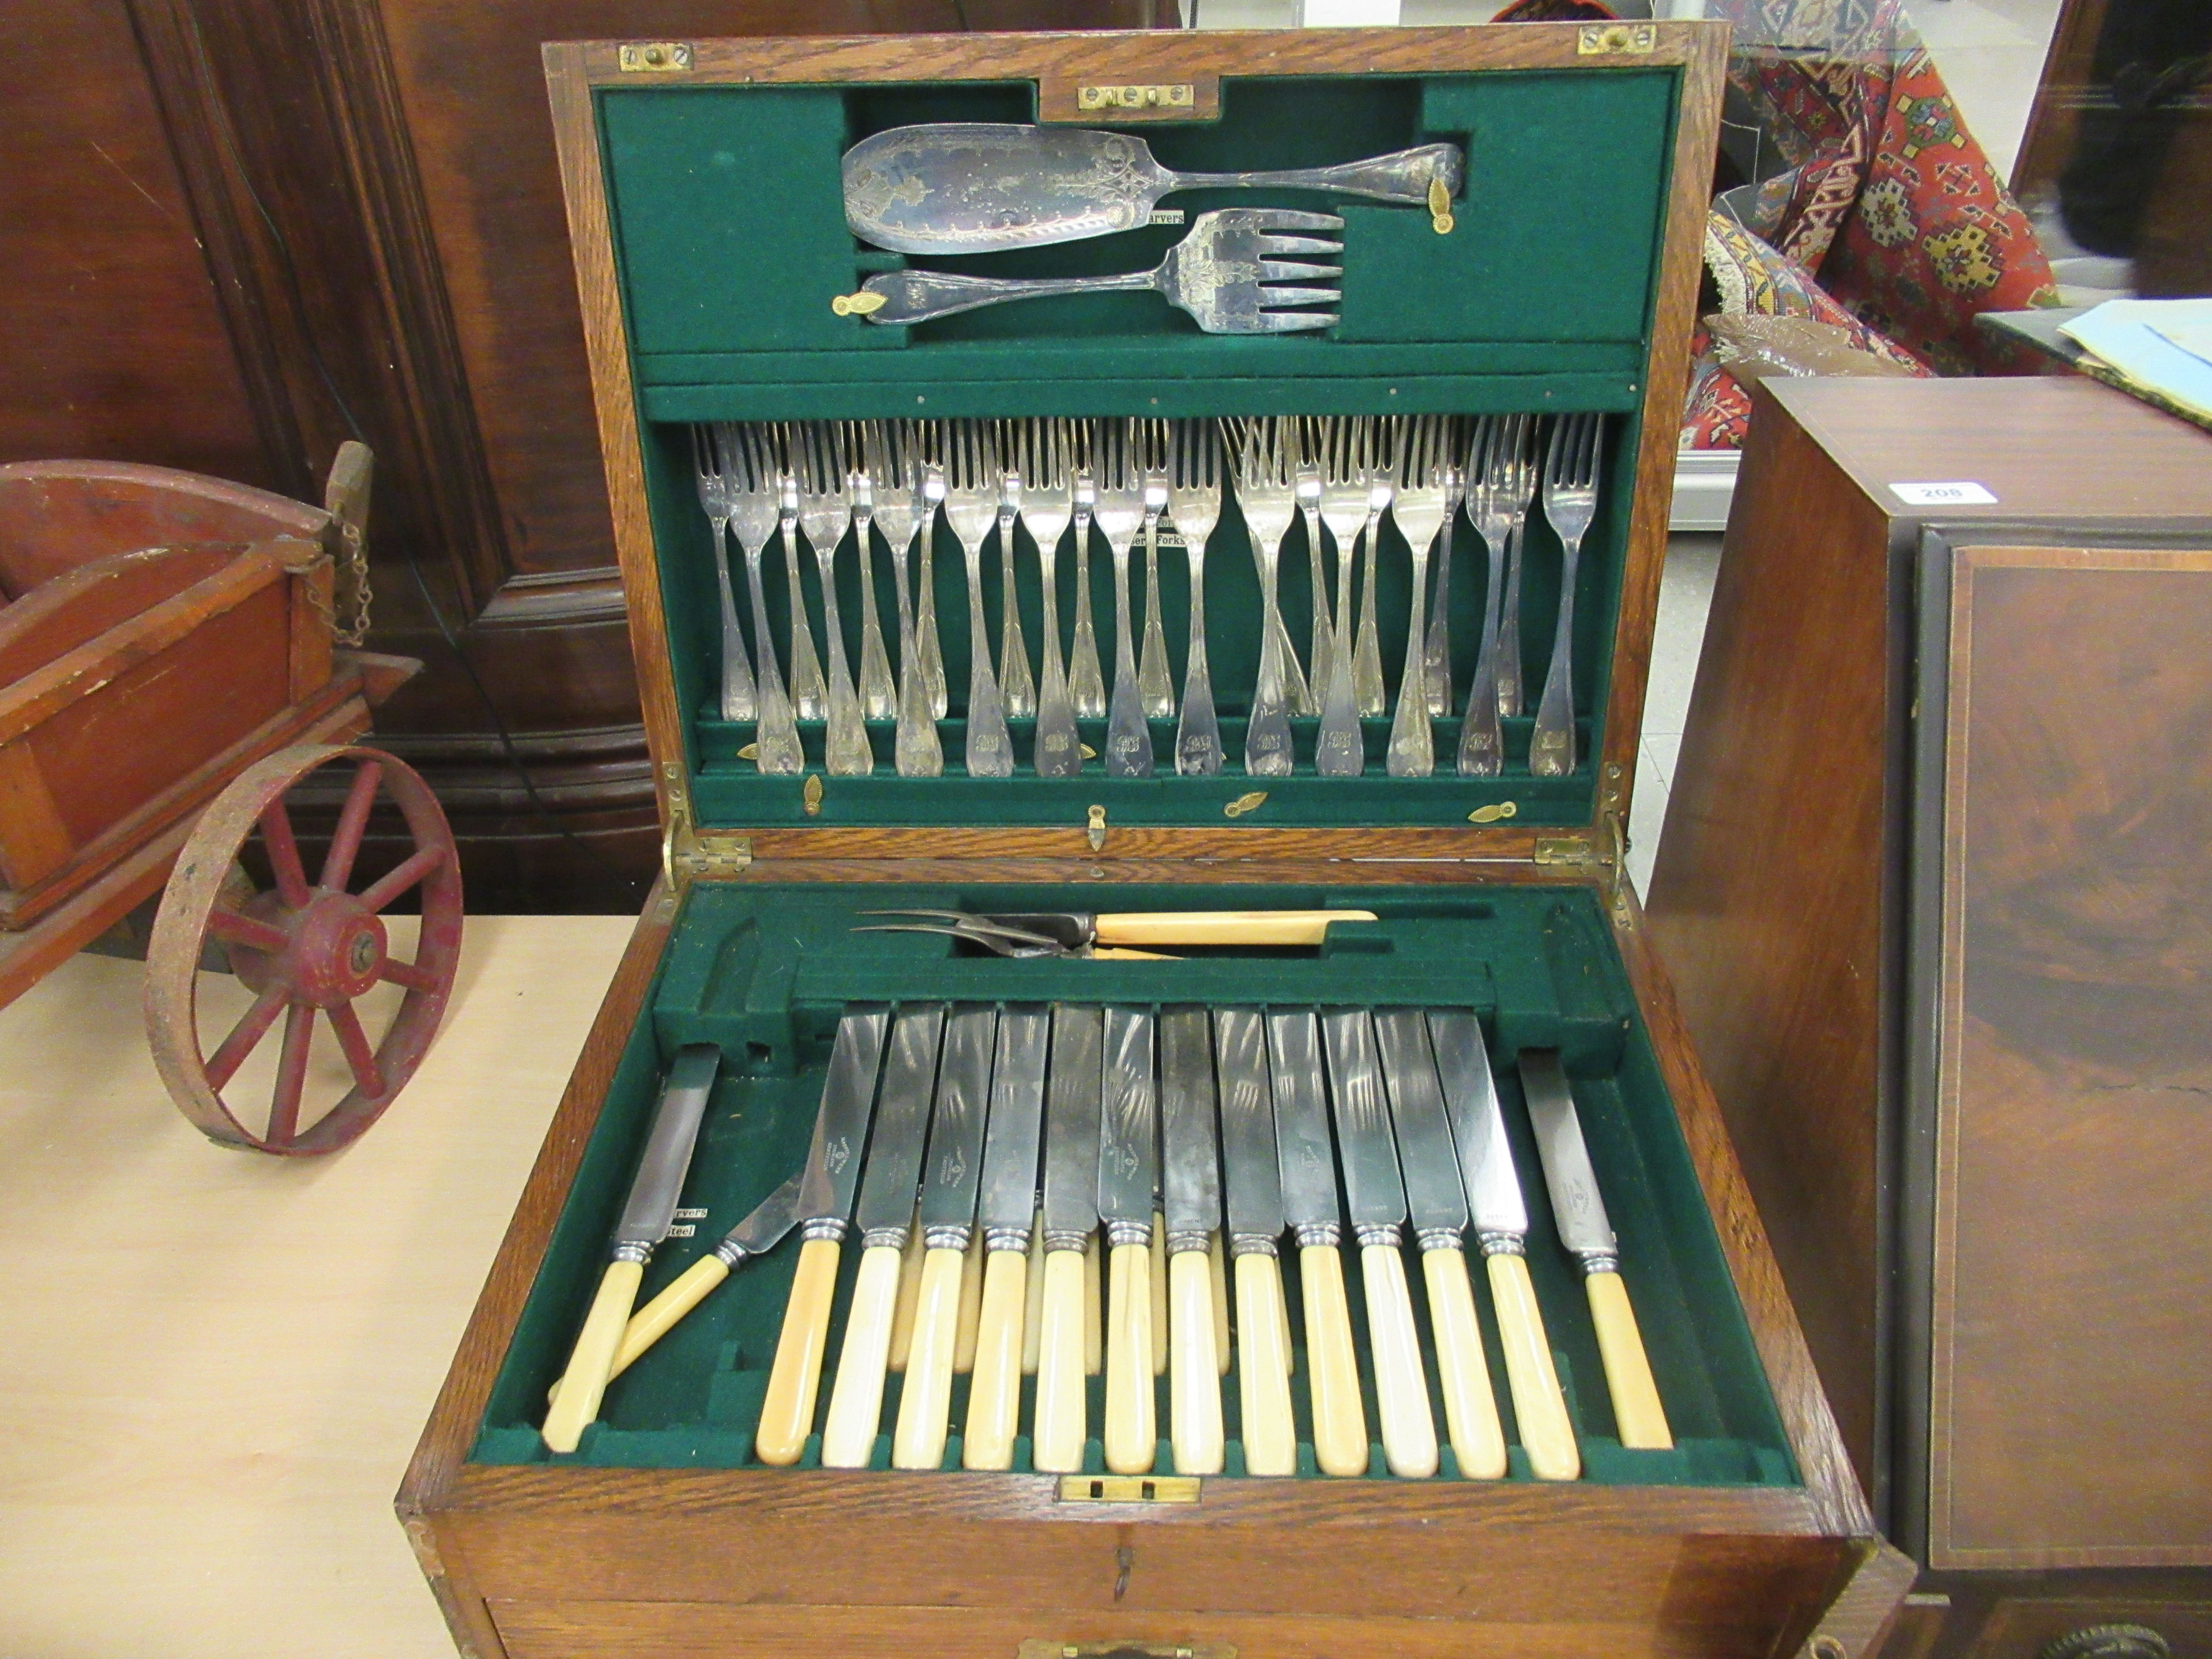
707, 209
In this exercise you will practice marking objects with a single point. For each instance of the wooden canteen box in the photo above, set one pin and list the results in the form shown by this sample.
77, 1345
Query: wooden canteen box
704, 200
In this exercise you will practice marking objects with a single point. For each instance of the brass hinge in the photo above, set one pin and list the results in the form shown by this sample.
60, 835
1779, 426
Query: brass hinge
1604, 849
687, 856
653, 56
1612, 39
1042, 1647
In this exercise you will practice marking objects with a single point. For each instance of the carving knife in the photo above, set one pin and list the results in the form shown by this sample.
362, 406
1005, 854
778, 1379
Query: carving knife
1254, 1183
1076, 930
1580, 1211
1007, 1212
884, 1217
644, 1222
1070, 1222
1306, 1160
1128, 1167
1437, 1203
1190, 1183
1501, 1228
819, 1192
1377, 1195
951, 1176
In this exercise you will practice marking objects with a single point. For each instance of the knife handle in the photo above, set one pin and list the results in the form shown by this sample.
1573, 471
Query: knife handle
1401, 1386
1637, 1412
1470, 1409
590, 1362
658, 1316
1216, 1267
909, 1298
1033, 1316
1263, 927
1094, 1309
995, 1394
1058, 1434
1161, 1331
1195, 1386
1131, 1437
1340, 1421
971, 1305
926, 1400
856, 1399
1263, 1372
787, 1408
1539, 1408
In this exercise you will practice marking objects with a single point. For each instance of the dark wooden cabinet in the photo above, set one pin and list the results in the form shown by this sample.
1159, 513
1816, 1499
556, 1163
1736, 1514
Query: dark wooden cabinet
1933, 885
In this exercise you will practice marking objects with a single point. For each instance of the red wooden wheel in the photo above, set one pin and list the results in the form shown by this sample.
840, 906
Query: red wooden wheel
302, 951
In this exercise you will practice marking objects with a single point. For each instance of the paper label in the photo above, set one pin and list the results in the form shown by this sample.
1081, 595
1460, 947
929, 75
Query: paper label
1956, 493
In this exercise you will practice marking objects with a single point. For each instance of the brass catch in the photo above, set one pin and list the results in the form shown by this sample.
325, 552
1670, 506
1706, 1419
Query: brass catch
1440, 213
1181, 95
1040, 1647
654, 57
810, 795
1609, 39
857, 305
1094, 828
1128, 1488
1248, 801
1492, 813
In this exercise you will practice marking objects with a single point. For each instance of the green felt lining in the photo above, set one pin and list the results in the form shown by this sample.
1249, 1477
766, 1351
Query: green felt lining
764, 972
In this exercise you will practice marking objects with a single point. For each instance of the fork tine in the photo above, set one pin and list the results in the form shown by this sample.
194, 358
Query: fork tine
1298, 245
1289, 270
1289, 322
1292, 219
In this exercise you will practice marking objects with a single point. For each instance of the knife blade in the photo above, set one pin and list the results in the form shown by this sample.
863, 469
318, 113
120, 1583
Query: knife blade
1074, 1092
884, 1216
952, 1175
1190, 1183
819, 1192
1377, 1193
1129, 1170
1436, 1203
1254, 1183
1501, 1225
1005, 1213
1578, 1208
646, 1213
1306, 1158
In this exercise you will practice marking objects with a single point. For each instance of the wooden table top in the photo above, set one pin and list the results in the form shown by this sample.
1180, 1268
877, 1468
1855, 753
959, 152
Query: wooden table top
217, 1363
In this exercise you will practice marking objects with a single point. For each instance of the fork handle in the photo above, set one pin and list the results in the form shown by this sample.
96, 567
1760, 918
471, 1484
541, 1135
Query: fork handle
916, 296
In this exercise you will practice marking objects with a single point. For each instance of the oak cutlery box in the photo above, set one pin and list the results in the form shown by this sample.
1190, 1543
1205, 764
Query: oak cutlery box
704, 200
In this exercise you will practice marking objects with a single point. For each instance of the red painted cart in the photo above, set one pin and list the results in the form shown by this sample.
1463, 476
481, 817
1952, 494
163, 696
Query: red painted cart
170, 669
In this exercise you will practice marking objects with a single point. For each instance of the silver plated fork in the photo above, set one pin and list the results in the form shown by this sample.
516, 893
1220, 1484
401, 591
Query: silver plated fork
1347, 465
1569, 502
1306, 492
825, 512
909, 508
1155, 686
752, 456
971, 507
1194, 483
1015, 688
1086, 682
1120, 511
1499, 475
1265, 471
878, 700
1418, 511
739, 700
1046, 460
1389, 436
1436, 657
807, 689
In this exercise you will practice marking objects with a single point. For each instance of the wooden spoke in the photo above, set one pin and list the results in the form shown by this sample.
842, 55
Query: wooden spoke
401, 876
244, 930
291, 1074
222, 1064
353, 822
407, 973
355, 1042
284, 856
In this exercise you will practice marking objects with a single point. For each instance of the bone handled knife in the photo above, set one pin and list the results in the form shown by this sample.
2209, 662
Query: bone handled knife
1306, 1158
1190, 1181
1128, 1168
1071, 1223
950, 1175
818, 1192
1580, 1212
1077, 929
1377, 1195
884, 1217
1254, 1197
644, 1222
1437, 1202
1501, 1228
1006, 1214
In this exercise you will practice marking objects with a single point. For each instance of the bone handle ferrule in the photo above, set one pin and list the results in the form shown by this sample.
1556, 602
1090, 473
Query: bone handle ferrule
1131, 1436
1195, 1378
1401, 1386
1478, 1439
1058, 1432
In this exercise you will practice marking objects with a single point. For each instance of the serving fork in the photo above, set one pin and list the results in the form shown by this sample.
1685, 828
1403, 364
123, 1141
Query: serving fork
1569, 502
1120, 510
826, 510
755, 470
909, 508
739, 701
1424, 468
1501, 476
1228, 273
1046, 461
969, 457
1155, 686
1195, 479
1347, 453
1016, 688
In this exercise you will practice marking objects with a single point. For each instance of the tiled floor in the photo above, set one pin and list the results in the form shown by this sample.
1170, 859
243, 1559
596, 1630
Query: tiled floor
1686, 593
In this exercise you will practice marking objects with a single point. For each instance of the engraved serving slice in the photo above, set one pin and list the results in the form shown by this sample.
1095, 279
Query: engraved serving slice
977, 187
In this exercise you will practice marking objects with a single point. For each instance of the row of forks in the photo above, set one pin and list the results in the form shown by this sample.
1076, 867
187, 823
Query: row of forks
1127, 478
